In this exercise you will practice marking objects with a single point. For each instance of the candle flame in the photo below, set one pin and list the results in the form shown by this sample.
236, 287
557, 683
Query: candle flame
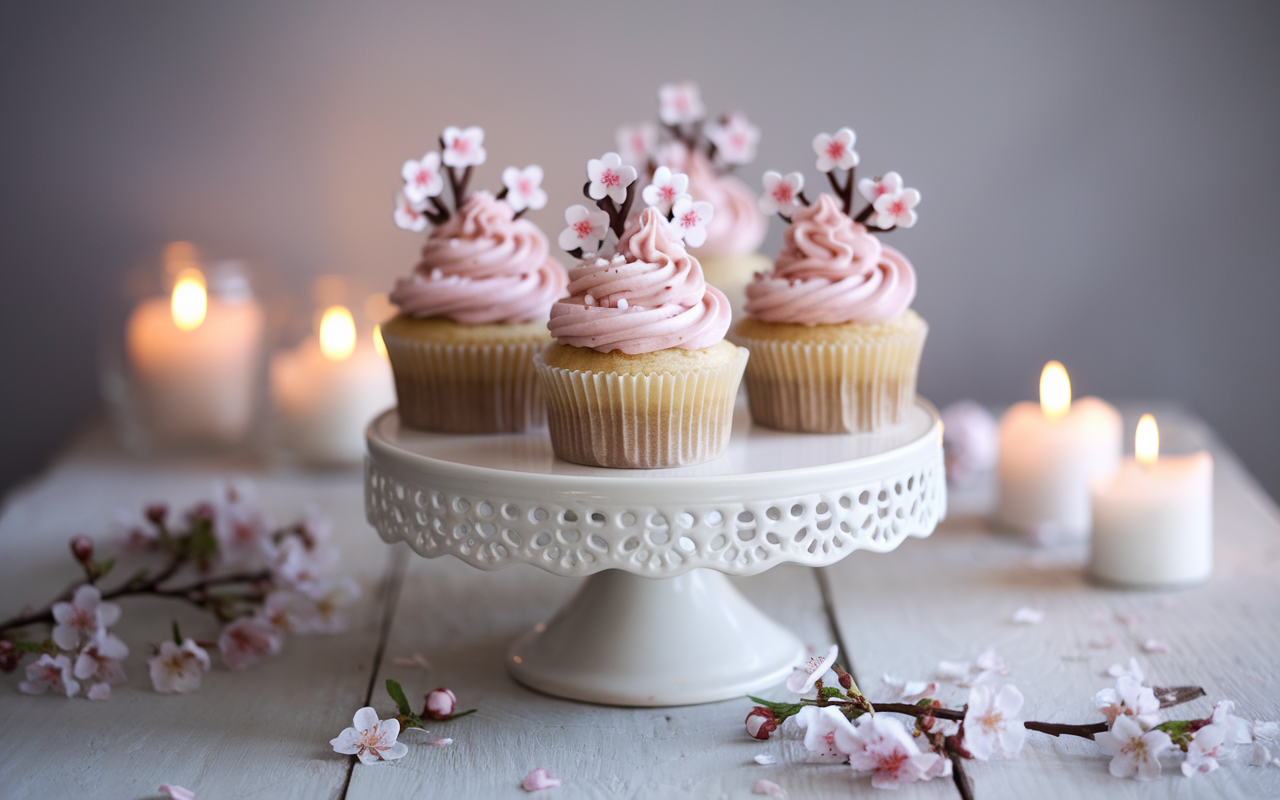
378, 344
337, 334
1055, 390
1146, 443
190, 302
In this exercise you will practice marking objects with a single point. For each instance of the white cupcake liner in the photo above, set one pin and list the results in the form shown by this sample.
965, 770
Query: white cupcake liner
467, 388
833, 388
661, 419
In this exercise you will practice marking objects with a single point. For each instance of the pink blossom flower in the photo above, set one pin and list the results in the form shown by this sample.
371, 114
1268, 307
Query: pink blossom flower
636, 142
1207, 746
308, 558
177, 669
247, 641
609, 178
803, 677
873, 188
761, 722
896, 209
1130, 698
328, 598
836, 152
408, 215
690, 217
370, 739
679, 103
524, 188
991, 726
539, 779
1028, 616
82, 549
440, 704
176, 792
587, 228
50, 672
881, 746
666, 188
822, 725
767, 787
463, 147
422, 179
781, 194
82, 618
100, 660
735, 139
241, 528
904, 691
1134, 751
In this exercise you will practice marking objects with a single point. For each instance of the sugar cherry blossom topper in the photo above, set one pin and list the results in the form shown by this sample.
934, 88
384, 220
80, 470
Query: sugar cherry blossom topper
726, 141
611, 185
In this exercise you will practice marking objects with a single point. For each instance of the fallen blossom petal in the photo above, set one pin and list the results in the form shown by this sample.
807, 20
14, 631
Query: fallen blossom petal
769, 788
416, 660
440, 742
904, 691
1238, 728
370, 739
1028, 616
803, 677
764, 759
247, 641
99, 691
1260, 756
1155, 646
539, 779
176, 792
1133, 670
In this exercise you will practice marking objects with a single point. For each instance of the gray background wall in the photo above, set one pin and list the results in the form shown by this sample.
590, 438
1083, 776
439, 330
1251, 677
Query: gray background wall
1099, 178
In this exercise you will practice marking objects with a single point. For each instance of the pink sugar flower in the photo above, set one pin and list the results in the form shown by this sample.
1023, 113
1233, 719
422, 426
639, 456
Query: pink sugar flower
247, 641
422, 179
370, 739
609, 177
50, 672
679, 103
463, 147
836, 152
735, 139
587, 228
524, 187
408, 215
873, 188
636, 143
781, 194
690, 218
666, 188
896, 209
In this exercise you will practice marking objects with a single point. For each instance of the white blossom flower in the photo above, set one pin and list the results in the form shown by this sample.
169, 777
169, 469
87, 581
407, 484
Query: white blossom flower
803, 677
822, 725
370, 739
247, 641
241, 528
666, 188
317, 606
1133, 670
307, 556
1239, 730
873, 188
781, 194
1028, 616
176, 792
586, 228
904, 691
1133, 750
896, 209
679, 103
836, 152
524, 187
880, 745
768, 787
690, 218
735, 139
609, 177
177, 669
539, 779
81, 619
463, 148
1129, 699
408, 215
991, 726
1207, 746
422, 179
101, 660
636, 143
50, 672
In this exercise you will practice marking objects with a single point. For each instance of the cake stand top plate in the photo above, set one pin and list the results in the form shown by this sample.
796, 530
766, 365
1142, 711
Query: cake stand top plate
772, 498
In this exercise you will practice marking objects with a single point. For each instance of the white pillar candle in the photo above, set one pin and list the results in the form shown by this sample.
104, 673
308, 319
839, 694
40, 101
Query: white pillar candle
1153, 520
1048, 453
195, 362
328, 389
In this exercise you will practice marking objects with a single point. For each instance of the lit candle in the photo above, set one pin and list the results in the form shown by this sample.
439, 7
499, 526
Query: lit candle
1153, 519
328, 389
1048, 453
195, 361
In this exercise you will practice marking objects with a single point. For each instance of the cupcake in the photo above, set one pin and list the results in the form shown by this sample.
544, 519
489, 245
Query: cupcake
639, 375
473, 313
835, 346
708, 152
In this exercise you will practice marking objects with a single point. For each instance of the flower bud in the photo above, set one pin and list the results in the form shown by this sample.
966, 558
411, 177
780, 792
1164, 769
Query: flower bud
761, 722
156, 512
82, 549
9, 656
440, 704
846, 680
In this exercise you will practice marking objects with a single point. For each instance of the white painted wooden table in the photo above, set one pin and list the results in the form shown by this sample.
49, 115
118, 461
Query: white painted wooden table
264, 733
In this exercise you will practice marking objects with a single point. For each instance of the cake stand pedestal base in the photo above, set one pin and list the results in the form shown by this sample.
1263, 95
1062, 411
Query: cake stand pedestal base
631, 641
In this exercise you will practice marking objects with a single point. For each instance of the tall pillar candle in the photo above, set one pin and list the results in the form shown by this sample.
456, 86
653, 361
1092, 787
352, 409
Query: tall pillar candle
1048, 453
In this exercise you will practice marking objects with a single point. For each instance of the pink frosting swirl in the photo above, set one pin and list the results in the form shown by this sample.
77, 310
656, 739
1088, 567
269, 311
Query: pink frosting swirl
830, 271
483, 266
737, 226
650, 297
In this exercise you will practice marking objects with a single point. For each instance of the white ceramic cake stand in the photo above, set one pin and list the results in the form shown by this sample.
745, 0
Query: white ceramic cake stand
657, 623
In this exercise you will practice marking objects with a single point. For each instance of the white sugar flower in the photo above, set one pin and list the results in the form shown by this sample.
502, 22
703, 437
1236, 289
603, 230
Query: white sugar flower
463, 147
586, 228
803, 677
408, 215
422, 179
822, 726
50, 672
896, 209
666, 188
881, 746
781, 193
100, 660
680, 102
370, 739
1134, 751
735, 139
871, 188
690, 218
247, 641
1129, 699
177, 669
991, 726
836, 152
81, 619
524, 187
609, 177
672, 155
636, 143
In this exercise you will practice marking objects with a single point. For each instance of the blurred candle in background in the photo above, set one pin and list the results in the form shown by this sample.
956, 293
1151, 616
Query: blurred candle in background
1153, 520
1048, 453
195, 355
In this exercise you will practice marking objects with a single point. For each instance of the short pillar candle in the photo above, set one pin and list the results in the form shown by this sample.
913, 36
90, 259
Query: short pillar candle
1153, 519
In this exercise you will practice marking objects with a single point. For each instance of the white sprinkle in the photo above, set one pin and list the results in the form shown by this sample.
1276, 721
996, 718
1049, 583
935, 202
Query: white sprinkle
600, 262
437, 274
591, 301
1028, 616
765, 758
622, 303
619, 259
